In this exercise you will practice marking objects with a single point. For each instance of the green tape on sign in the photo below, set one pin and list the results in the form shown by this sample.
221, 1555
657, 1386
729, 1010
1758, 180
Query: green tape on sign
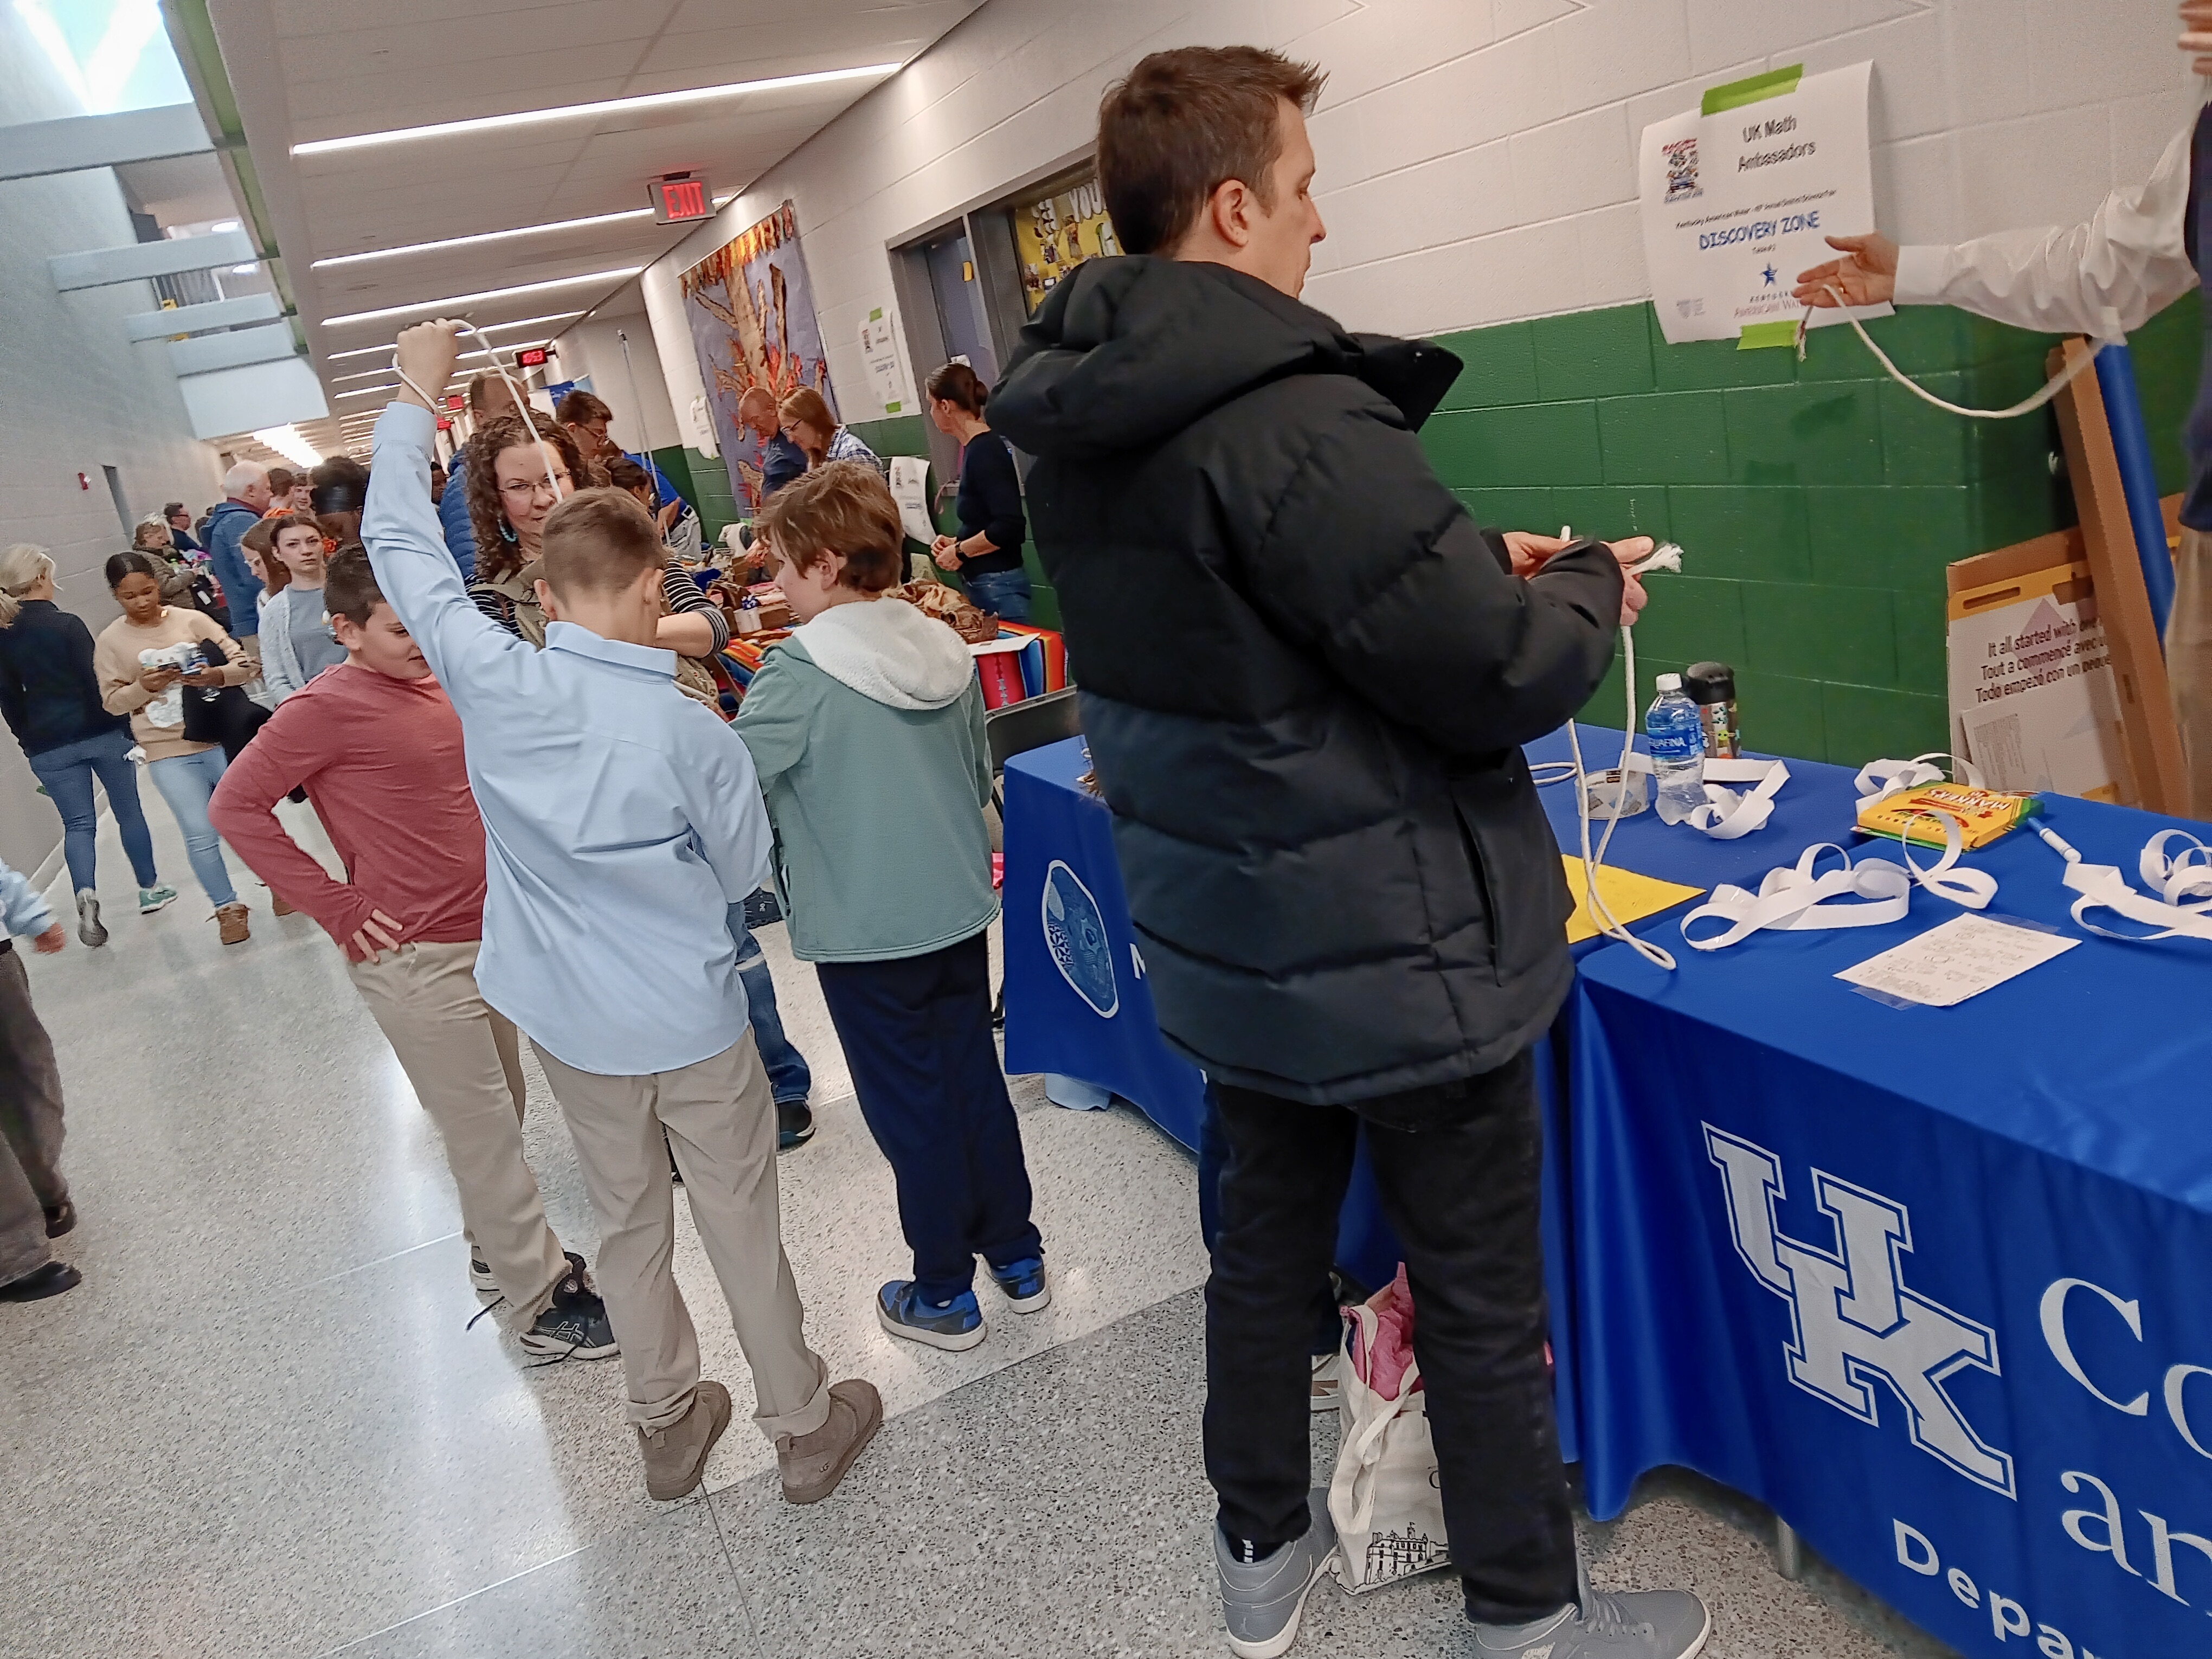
1736, 94
1757, 336
876, 315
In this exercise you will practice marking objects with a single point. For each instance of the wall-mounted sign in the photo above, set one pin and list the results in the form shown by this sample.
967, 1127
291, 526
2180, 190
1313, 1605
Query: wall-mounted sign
679, 197
1739, 195
879, 351
532, 357
1057, 233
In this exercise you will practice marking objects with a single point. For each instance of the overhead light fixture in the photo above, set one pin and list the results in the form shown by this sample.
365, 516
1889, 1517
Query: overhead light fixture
246, 269
600, 107
369, 391
223, 225
489, 328
453, 302
288, 442
365, 374
482, 237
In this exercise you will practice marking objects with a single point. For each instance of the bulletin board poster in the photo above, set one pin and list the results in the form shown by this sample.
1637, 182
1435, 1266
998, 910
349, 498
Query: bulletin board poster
1056, 233
1739, 195
751, 314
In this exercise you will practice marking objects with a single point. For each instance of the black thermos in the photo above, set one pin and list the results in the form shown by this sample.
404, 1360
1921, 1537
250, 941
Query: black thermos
1711, 686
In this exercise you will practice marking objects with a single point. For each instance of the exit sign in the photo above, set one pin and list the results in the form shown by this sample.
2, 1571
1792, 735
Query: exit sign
454, 402
534, 358
679, 197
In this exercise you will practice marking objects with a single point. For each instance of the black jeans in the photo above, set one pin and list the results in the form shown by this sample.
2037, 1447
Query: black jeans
917, 1034
1462, 1189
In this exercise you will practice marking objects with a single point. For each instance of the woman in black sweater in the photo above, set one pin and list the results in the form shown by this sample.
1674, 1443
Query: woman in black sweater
51, 698
988, 551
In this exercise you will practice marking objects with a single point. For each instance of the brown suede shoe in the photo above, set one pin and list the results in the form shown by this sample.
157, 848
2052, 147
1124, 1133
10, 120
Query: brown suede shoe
230, 921
675, 1457
813, 1464
276, 903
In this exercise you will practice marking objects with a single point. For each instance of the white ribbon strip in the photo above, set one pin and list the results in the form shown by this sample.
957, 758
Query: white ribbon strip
1880, 778
1793, 899
1728, 815
2184, 882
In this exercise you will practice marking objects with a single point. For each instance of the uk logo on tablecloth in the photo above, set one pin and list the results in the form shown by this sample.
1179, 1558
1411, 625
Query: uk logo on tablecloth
1853, 1321
1075, 934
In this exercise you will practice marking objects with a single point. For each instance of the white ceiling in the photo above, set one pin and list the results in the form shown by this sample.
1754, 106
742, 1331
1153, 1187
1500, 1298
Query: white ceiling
306, 69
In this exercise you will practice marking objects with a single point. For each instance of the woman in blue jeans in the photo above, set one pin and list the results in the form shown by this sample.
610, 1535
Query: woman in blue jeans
51, 697
151, 692
988, 551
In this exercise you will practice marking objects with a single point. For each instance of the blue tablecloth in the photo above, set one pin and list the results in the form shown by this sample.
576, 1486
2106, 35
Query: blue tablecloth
1931, 1283
1076, 998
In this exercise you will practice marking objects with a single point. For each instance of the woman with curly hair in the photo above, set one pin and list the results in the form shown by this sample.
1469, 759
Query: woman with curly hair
510, 493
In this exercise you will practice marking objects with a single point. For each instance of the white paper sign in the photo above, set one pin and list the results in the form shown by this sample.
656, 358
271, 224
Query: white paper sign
1736, 204
879, 351
1961, 958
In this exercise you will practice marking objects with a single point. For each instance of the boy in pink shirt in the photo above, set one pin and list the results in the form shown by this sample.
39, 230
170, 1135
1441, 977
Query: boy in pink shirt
378, 748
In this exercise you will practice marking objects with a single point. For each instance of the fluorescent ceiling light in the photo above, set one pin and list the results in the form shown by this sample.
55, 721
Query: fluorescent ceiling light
223, 225
461, 302
369, 391
601, 106
246, 269
489, 328
483, 236
366, 374
287, 441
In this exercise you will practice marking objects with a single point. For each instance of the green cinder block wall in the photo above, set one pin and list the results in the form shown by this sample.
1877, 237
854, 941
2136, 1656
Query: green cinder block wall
1816, 503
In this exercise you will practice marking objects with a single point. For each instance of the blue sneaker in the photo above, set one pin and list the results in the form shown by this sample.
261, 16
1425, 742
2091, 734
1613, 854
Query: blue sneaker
954, 1325
1022, 1283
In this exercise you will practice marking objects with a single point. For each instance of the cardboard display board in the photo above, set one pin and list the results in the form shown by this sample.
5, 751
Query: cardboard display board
2033, 702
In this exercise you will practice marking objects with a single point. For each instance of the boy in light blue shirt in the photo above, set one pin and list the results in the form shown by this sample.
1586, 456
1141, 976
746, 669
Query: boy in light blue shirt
621, 819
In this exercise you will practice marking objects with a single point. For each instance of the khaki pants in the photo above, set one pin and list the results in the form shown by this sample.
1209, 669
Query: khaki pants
30, 1127
2189, 665
465, 1063
721, 1122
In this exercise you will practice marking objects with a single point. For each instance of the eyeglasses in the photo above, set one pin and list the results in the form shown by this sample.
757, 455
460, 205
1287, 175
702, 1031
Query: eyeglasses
525, 490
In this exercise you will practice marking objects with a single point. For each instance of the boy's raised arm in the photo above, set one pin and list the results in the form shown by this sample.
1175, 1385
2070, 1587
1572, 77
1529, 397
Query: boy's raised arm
399, 526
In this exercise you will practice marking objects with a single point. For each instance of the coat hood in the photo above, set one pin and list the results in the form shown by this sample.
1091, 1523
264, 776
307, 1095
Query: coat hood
1130, 350
889, 652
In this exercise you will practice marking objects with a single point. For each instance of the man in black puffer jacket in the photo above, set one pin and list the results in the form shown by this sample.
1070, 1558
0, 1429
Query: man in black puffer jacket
1306, 676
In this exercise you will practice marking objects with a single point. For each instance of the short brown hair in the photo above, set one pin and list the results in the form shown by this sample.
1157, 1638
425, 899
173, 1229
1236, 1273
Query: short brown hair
349, 588
599, 541
280, 480
580, 407
1184, 122
959, 385
843, 507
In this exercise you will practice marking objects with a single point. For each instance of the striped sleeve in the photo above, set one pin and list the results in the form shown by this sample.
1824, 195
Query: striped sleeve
684, 598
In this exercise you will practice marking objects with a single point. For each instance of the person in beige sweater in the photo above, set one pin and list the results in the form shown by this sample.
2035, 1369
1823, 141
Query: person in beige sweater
185, 772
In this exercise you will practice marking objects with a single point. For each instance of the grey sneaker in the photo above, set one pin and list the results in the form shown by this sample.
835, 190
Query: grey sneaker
1641, 1625
1262, 1601
88, 918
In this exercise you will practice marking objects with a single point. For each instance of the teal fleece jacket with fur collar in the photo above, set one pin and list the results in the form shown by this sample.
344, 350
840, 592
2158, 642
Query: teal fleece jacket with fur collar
866, 729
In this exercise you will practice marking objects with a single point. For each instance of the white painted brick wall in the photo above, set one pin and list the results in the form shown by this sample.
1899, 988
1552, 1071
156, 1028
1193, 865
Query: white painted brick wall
1476, 156
75, 395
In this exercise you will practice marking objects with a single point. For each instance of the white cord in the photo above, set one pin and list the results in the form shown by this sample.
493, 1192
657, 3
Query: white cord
2026, 405
1666, 556
521, 403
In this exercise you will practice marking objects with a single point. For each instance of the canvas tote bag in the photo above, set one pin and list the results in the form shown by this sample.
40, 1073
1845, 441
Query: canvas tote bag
1384, 1496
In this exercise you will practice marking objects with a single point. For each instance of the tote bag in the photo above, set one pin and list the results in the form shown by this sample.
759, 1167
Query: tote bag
1384, 1496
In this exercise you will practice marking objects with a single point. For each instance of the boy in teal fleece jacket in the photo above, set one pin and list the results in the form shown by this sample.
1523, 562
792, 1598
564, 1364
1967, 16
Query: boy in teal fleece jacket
866, 730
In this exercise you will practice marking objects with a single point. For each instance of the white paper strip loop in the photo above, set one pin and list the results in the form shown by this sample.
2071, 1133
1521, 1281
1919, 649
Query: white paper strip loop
1727, 815
1880, 778
2102, 887
1867, 894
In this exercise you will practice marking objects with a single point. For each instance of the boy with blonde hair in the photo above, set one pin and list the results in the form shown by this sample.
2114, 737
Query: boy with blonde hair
621, 820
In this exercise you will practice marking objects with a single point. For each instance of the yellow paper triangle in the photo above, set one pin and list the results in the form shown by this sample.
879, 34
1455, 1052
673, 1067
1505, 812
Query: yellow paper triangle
1630, 896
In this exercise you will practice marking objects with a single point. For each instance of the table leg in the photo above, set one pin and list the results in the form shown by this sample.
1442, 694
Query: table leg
1788, 1554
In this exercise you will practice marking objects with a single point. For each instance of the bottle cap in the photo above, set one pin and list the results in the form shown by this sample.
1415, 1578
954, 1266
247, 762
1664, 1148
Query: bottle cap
1669, 683
1709, 682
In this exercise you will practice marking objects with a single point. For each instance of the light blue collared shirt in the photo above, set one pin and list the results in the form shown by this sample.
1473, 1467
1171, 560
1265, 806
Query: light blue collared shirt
622, 819
23, 909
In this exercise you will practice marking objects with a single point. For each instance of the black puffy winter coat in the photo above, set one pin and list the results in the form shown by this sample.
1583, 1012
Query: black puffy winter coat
1305, 675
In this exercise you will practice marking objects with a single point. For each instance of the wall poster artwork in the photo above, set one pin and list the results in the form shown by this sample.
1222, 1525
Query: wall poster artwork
751, 315
1057, 232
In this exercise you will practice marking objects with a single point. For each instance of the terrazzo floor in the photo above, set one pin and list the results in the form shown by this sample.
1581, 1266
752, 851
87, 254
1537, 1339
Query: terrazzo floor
261, 1427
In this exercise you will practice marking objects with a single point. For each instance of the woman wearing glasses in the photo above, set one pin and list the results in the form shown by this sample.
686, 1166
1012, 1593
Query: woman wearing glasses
509, 495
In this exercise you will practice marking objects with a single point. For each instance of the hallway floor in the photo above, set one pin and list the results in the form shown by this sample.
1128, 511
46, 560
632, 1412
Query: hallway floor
261, 1427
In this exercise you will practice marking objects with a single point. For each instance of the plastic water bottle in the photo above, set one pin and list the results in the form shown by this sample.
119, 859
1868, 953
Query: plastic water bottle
1677, 738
